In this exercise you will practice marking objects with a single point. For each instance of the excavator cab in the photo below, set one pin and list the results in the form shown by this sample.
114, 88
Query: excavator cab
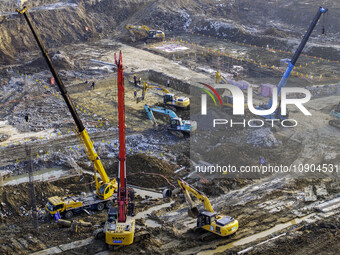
336, 111
152, 33
168, 98
175, 123
205, 218
112, 215
156, 34
105, 191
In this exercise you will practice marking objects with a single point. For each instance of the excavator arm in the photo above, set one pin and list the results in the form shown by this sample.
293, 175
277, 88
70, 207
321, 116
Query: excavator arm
187, 189
150, 110
142, 27
146, 86
105, 184
172, 114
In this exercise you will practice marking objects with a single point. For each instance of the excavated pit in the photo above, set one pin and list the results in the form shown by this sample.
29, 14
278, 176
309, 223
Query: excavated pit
245, 41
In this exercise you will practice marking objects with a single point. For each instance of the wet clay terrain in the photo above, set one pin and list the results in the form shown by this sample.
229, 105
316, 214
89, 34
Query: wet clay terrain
295, 212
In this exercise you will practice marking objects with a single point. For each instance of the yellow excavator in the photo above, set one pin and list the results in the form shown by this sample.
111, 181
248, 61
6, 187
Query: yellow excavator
106, 189
152, 35
207, 219
169, 99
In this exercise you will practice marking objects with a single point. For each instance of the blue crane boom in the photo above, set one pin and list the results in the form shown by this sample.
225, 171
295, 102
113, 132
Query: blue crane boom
291, 64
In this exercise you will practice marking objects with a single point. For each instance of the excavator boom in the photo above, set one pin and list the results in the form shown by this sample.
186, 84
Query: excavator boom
207, 219
187, 188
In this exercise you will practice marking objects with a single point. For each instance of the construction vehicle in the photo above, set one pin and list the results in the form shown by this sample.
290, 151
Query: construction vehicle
152, 35
181, 102
291, 64
105, 189
227, 101
207, 219
177, 127
145, 88
227, 98
336, 114
119, 229
71, 205
169, 99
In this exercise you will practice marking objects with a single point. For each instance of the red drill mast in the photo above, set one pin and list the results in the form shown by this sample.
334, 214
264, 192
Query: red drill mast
122, 199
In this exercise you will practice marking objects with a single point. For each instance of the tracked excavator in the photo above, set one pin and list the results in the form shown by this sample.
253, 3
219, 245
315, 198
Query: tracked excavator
177, 127
106, 189
152, 35
336, 114
169, 99
207, 219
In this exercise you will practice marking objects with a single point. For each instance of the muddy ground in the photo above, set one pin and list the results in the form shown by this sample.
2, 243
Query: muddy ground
277, 213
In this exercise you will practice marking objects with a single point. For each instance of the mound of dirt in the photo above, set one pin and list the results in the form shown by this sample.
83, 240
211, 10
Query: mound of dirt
274, 32
57, 26
16, 200
62, 61
245, 155
148, 171
216, 188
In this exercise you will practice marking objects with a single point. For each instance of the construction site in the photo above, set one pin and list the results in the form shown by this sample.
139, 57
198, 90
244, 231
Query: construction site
169, 127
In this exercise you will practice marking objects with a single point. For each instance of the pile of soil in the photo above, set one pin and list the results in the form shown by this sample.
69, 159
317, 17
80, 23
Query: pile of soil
246, 155
219, 187
16, 200
275, 32
77, 184
148, 171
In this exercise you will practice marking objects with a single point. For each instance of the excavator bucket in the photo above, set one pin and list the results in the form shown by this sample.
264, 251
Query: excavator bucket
193, 212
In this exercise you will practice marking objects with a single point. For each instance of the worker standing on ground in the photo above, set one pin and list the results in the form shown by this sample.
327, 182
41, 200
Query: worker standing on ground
93, 84
135, 93
86, 81
168, 83
140, 80
218, 77
144, 90
135, 80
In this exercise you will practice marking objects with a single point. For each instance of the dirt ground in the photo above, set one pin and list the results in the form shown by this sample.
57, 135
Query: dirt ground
279, 213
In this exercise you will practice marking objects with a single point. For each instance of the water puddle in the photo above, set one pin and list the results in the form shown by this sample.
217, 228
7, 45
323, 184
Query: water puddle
41, 175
